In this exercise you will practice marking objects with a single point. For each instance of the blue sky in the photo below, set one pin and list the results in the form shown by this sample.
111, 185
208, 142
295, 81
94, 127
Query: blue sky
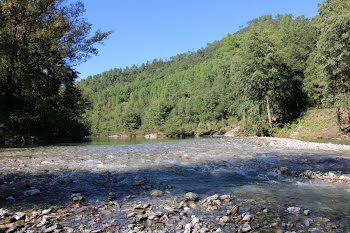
148, 29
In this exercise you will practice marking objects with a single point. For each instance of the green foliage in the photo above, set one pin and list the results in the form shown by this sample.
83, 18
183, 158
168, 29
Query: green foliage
40, 41
333, 53
265, 76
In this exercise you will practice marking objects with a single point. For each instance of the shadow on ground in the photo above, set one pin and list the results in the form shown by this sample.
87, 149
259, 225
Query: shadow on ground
207, 178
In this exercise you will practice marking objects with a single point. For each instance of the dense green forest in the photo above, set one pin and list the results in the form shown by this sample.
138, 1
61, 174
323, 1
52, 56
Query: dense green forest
263, 77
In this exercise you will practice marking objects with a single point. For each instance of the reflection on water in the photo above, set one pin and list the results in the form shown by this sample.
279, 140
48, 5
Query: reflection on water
239, 166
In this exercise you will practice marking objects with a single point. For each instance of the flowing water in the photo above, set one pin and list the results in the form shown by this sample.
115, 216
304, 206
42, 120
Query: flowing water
242, 167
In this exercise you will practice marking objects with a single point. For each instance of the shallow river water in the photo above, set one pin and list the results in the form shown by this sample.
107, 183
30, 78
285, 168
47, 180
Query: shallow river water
241, 167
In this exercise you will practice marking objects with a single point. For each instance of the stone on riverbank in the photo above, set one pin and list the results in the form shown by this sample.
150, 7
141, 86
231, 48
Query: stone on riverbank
156, 193
190, 197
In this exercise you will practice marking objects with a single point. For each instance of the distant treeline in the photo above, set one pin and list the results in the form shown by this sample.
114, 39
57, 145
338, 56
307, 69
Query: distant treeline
264, 76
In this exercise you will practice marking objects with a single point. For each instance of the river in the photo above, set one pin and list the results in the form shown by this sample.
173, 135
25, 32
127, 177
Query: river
245, 168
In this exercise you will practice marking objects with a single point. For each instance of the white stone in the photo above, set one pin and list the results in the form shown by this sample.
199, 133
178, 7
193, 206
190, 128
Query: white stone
294, 210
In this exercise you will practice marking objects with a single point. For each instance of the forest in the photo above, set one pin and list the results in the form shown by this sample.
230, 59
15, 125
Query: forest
262, 77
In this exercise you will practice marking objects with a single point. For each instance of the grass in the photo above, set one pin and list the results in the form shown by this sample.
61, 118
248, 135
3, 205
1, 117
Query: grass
311, 125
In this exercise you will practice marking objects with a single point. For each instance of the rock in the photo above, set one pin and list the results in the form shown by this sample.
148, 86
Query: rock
322, 220
279, 231
247, 217
195, 220
4, 213
77, 197
294, 210
225, 198
246, 227
31, 192
306, 212
141, 217
218, 230
216, 203
43, 221
138, 181
265, 211
187, 228
130, 215
19, 215
164, 218
192, 205
151, 136
190, 196
307, 222
213, 198
51, 229
47, 211
225, 219
274, 225
234, 209
10, 199
156, 193
182, 204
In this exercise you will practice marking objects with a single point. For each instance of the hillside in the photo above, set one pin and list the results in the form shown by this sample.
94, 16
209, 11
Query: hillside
264, 77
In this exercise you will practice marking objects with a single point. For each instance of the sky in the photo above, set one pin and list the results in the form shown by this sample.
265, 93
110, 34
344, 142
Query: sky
148, 29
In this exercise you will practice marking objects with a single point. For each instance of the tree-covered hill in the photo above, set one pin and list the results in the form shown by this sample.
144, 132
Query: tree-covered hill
264, 76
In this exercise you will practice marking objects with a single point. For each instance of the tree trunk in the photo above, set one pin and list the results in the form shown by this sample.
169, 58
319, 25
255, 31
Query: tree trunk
268, 111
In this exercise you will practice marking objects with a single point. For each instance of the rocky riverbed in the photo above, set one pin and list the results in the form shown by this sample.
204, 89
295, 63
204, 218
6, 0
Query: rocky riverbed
197, 185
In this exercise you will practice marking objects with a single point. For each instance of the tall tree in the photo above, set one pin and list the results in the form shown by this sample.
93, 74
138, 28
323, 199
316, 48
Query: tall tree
40, 43
333, 50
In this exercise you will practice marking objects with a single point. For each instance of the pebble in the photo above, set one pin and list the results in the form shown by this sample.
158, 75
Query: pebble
4, 213
77, 197
130, 215
47, 211
294, 210
195, 220
156, 193
234, 209
246, 227
31, 192
187, 228
19, 215
51, 229
225, 219
216, 203
247, 217
190, 197
225, 198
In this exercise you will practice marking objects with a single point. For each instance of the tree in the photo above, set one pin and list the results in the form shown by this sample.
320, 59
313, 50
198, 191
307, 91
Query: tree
333, 53
259, 69
40, 43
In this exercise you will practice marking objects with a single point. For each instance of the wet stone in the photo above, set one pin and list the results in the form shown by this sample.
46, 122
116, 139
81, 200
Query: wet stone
190, 196
31, 192
156, 193
234, 210
225, 198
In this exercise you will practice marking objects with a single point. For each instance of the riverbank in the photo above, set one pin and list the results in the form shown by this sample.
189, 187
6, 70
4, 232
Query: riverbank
162, 212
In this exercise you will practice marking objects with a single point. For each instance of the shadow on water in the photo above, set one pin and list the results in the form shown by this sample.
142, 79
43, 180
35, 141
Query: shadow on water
251, 178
